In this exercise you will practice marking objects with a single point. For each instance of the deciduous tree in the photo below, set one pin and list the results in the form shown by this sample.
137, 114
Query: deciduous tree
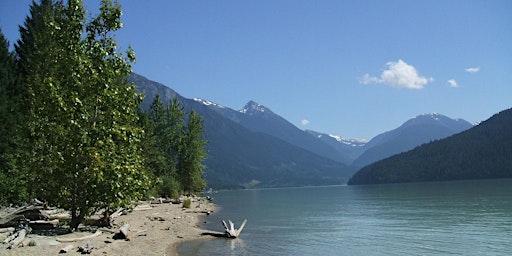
83, 131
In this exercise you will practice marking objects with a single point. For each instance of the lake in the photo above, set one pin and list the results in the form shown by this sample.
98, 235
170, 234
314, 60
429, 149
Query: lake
461, 218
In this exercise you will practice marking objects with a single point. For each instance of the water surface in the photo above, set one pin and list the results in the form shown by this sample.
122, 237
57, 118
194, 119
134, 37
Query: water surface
457, 218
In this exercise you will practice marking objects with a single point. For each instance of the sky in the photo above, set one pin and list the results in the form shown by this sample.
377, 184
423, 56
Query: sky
349, 68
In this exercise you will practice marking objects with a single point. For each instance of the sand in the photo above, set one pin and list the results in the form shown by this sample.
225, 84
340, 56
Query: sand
156, 229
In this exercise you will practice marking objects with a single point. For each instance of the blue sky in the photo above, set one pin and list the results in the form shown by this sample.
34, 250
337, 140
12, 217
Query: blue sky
350, 68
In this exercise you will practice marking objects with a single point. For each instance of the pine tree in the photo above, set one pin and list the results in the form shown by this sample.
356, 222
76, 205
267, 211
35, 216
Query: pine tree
12, 180
192, 154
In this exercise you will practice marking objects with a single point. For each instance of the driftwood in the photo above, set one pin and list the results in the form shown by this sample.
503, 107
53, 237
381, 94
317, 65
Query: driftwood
67, 248
44, 224
15, 239
116, 214
231, 232
124, 230
86, 248
123, 233
69, 240
7, 230
143, 207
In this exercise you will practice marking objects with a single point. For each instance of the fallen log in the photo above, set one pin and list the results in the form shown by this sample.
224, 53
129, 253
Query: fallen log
20, 235
6, 230
123, 233
74, 239
116, 214
124, 230
66, 248
44, 224
10, 238
143, 207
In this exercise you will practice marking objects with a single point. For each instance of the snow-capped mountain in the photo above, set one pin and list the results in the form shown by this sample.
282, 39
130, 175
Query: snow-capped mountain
258, 118
257, 146
252, 108
208, 103
351, 148
414, 132
241, 157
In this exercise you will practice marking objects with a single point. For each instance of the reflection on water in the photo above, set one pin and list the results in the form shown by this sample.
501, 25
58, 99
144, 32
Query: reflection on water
467, 218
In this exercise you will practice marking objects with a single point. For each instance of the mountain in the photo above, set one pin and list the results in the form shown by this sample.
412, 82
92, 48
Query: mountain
482, 152
350, 148
414, 132
259, 118
241, 157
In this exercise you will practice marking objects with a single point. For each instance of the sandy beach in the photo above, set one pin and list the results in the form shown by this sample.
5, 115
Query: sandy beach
155, 229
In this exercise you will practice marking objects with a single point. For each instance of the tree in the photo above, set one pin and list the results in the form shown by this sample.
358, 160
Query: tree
36, 62
163, 132
191, 155
12, 180
82, 123
174, 148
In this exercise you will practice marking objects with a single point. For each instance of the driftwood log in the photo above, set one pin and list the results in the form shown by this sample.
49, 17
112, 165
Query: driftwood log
7, 230
69, 240
123, 233
67, 248
231, 232
124, 230
15, 239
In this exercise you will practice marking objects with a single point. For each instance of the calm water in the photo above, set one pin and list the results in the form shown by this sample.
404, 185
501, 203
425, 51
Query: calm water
456, 218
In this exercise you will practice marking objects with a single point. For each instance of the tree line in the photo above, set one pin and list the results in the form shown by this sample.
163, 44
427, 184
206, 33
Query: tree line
72, 132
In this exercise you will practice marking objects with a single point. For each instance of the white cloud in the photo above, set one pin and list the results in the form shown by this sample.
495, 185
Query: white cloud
304, 122
472, 70
453, 83
399, 75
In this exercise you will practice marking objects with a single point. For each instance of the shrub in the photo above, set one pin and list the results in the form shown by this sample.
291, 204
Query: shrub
186, 203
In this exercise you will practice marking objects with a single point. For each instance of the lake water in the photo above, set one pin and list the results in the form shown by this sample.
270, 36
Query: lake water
455, 218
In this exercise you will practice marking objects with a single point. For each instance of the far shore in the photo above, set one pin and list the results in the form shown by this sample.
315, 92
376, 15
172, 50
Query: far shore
155, 229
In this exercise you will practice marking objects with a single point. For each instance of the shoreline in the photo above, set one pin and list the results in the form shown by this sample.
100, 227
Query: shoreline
155, 229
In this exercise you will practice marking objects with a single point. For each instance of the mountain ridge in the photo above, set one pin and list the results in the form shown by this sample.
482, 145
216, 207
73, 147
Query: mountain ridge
239, 157
481, 152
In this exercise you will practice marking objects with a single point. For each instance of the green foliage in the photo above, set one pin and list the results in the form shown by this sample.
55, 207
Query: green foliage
82, 132
187, 203
174, 151
483, 152
12, 179
169, 187
191, 155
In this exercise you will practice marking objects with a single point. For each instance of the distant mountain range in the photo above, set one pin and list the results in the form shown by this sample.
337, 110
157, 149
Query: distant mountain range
414, 132
255, 147
240, 157
482, 152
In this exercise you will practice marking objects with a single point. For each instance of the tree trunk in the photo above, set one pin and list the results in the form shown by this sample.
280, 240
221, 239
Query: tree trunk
76, 219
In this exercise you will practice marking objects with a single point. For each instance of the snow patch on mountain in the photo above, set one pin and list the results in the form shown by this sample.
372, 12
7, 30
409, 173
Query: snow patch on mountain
208, 103
349, 142
252, 107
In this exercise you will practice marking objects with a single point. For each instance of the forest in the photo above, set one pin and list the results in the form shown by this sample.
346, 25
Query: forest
73, 134
482, 152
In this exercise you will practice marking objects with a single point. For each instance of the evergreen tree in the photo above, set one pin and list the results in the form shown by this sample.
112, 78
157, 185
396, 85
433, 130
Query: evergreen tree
12, 182
174, 148
37, 61
192, 154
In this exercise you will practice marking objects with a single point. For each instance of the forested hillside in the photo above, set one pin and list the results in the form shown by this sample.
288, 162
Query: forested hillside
482, 152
